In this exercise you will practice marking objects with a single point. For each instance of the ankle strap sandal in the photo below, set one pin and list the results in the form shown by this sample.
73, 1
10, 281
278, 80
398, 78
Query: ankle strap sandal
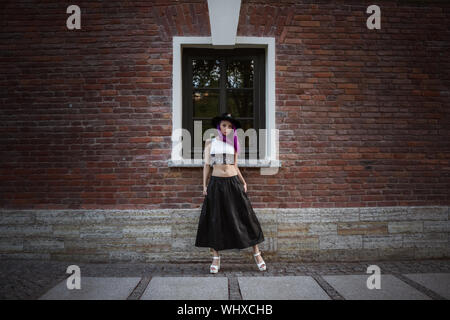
261, 265
214, 268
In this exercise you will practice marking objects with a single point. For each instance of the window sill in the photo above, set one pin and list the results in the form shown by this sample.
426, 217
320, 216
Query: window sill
241, 163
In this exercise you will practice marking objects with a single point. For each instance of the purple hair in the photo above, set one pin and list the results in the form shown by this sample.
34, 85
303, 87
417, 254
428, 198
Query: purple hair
226, 139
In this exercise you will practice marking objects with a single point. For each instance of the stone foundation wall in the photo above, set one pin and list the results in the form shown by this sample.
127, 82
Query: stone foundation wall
309, 234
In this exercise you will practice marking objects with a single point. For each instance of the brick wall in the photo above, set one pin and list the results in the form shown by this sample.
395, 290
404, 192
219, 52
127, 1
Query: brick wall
86, 115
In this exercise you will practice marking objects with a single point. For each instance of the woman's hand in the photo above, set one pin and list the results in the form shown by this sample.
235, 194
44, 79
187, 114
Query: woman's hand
204, 190
245, 187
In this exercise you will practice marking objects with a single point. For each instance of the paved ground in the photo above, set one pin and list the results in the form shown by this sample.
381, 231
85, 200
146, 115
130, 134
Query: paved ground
425, 279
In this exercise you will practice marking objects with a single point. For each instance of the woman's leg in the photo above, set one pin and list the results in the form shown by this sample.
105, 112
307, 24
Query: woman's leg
215, 254
259, 259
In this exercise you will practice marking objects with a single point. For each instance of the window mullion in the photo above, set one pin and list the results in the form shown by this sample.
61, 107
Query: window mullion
223, 92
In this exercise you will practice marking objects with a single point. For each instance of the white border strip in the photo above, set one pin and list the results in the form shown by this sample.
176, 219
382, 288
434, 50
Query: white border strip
178, 43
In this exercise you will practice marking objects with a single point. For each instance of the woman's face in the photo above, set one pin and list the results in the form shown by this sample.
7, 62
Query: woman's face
226, 127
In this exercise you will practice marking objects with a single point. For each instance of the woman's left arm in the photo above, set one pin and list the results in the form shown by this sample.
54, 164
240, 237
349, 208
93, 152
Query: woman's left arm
239, 171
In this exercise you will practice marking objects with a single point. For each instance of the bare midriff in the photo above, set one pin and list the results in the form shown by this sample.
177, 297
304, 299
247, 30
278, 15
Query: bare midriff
224, 170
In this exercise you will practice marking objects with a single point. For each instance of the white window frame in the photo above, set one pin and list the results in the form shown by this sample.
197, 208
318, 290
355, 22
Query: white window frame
270, 159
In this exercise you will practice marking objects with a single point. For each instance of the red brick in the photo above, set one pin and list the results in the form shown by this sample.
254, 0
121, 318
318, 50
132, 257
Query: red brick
356, 129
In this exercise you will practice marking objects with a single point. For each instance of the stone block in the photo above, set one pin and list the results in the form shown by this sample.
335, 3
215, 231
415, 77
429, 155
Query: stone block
25, 230
16, 218
100, 232
11, 245
382, 241
437, 282
363, 228
25, 256
405, 226
428, 213
59, 217
298, 215
66, 231
426, 240
297, 242
354, 287
180, 288
396, 253
340, 242
147, 231
436, 226
384, 214
94, 288
281, 288
325, 228
291, 229
339, 214
43, 245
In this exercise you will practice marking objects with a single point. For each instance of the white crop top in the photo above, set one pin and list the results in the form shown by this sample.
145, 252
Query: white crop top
221, 152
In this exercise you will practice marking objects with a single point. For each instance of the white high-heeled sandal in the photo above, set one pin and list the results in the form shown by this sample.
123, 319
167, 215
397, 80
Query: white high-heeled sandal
261, 263
214, 268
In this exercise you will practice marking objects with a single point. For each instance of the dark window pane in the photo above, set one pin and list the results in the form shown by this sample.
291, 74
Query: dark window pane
205, 73
222, 80
206, 124
206, 103
248, 124
240, 74
240, 102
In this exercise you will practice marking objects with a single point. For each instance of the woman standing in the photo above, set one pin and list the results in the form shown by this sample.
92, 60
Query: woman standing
227, 219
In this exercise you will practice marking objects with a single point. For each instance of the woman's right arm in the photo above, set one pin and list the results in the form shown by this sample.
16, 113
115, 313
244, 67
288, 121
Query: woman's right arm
206, 165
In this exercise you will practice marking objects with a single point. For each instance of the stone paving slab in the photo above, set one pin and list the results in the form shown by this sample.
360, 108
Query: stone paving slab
186, 288
94, 288
354, 287
437, 282
30, 279
281, 288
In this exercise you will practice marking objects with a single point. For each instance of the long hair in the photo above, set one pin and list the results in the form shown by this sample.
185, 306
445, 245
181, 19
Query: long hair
232, 141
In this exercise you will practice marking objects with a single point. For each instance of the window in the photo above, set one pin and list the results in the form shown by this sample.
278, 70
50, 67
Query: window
270, 161
219, 80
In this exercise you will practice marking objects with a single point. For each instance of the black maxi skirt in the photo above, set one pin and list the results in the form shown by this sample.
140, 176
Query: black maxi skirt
227, 219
